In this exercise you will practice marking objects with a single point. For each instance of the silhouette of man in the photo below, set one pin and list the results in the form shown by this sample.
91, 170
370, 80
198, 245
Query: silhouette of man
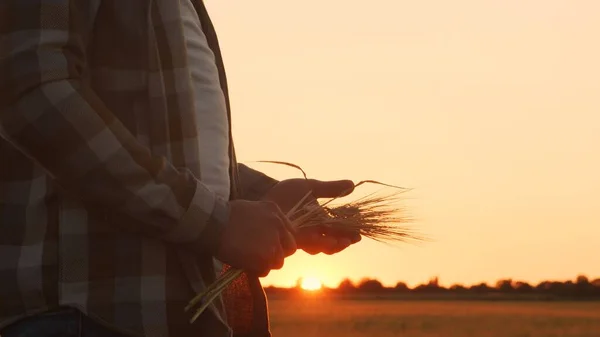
118, 179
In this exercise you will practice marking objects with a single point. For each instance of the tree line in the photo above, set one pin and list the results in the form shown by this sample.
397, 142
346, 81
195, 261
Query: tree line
580, 288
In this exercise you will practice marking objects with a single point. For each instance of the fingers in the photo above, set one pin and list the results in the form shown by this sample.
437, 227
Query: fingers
288, 243
257, 237
327, 241
286, 237
285, 231
314, 242
275, 253
281, 242
263, 273
320, 244
342, 244
331, 189
352, 235
272, 256
277, 257
355, 238
330, 245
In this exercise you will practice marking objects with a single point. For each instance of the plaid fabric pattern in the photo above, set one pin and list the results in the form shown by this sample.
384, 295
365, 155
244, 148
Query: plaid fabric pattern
101, 201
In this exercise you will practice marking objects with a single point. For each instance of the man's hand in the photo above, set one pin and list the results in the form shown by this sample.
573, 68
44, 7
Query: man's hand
317, 239
257, 237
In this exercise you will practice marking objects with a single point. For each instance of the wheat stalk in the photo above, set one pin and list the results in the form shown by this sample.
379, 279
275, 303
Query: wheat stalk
373, 216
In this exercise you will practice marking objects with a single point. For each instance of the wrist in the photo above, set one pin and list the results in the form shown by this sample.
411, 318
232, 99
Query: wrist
210, 239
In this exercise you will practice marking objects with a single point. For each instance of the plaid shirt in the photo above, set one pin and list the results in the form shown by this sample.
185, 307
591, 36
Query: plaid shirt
101, 204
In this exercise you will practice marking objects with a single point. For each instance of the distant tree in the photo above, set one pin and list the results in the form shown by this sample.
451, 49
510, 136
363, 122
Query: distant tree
346, 286
544, 286
505, 286
596, 284
458, 288
401, 287
480, 288
523, 287
568, 288
557, 288
432, 286
370, 285
583, 287
582, 280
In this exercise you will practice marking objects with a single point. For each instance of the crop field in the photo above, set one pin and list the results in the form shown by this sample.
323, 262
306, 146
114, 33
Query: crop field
319, 317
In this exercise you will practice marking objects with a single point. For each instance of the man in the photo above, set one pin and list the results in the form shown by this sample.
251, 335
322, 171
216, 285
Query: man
118, 179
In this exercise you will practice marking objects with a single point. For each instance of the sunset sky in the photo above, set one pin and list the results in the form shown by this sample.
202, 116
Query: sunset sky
489, 110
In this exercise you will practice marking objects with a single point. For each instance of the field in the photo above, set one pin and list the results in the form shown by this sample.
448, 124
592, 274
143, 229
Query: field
318, 317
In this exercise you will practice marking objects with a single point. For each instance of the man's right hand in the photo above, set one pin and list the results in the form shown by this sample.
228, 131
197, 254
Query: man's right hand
257, 237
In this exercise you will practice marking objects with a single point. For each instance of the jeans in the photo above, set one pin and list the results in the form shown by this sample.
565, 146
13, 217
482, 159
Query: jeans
63, 323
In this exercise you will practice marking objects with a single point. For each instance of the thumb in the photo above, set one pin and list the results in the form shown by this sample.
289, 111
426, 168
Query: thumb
331, 189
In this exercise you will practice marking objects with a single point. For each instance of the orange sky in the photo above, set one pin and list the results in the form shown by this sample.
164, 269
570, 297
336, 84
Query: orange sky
490, 110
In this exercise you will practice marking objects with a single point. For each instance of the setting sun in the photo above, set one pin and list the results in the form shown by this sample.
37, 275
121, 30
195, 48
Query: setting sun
311, 284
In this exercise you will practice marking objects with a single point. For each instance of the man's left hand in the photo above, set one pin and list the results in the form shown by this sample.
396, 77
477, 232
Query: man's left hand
313, 240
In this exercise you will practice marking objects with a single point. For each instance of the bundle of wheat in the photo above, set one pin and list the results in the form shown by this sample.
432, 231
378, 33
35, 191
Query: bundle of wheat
375, 216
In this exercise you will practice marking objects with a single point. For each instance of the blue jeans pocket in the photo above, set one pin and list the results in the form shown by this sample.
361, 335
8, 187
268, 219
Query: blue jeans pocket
64, 322
59, 323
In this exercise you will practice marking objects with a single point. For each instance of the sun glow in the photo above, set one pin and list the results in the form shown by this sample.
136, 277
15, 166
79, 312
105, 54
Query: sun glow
311, 284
